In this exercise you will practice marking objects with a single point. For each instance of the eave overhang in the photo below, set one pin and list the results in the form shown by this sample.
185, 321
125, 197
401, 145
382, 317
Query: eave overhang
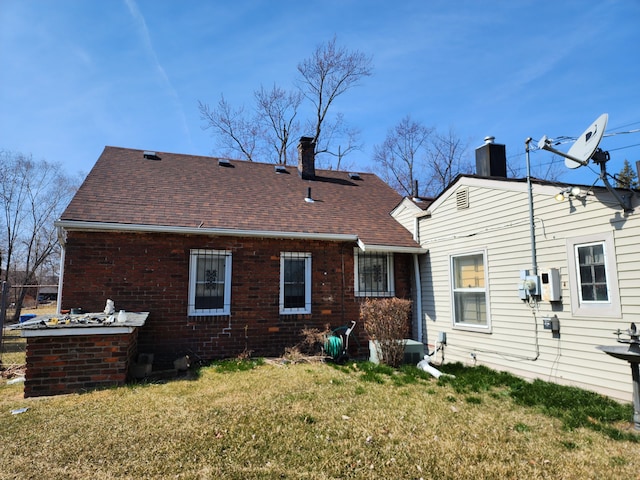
71, 225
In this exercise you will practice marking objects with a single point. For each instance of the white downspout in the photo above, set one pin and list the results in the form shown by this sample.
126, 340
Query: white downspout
426, 366
416, 269
62, 241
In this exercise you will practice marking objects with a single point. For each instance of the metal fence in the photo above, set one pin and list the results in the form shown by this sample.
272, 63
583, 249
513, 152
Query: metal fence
12, 345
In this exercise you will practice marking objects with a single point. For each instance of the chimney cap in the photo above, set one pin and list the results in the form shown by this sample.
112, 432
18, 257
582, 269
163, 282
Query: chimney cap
489, 139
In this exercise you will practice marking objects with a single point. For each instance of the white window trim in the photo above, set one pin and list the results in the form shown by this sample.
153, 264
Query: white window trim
193, 258
307, 283
390, 274
471, 326
610, 308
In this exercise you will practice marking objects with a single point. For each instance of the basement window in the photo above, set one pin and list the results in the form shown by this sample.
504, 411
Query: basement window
295, 283
209, 283
373, 274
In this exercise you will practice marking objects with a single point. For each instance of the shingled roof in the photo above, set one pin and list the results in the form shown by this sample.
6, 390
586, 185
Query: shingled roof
131, 189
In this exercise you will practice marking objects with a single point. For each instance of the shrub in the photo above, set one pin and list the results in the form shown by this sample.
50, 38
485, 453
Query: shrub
387, 322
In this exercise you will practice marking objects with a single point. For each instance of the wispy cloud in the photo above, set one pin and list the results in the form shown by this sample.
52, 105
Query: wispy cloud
143, 32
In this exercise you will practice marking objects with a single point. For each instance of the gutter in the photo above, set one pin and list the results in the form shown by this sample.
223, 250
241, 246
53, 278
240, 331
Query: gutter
131, 227
389, 248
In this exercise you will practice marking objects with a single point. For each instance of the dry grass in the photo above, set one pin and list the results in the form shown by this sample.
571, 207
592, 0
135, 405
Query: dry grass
298, 421
12, 353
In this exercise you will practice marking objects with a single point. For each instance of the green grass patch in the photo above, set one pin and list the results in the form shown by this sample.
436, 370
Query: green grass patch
576, 408
262, 420
237, 365
522, 428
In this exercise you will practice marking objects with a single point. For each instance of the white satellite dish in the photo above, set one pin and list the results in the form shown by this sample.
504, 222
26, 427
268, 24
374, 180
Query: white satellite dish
584, 149
587, 143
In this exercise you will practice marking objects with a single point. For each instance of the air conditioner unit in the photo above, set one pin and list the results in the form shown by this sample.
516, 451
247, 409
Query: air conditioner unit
413, 351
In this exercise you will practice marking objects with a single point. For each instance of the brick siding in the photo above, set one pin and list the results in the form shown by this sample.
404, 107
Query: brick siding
150, 272
67, 364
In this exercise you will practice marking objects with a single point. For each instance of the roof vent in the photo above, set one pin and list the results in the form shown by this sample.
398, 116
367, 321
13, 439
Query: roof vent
280, 168
150, 155
354, 176
309, 198
224, 162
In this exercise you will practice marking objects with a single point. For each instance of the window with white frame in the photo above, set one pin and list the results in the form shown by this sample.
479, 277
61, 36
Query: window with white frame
295, 283
374, 274
593, 278
592, 272
469, 292
209, 282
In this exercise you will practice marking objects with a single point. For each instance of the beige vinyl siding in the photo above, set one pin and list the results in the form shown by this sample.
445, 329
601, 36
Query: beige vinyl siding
497, 220
405, 214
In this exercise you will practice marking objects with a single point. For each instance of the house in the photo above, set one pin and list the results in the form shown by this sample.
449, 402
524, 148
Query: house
231, 256
486, 248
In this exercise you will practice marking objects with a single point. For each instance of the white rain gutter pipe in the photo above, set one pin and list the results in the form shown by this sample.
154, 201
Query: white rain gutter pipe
62, 240
426, 366
416, 269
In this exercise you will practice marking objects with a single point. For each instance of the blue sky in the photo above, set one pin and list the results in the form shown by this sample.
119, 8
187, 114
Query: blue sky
77, 75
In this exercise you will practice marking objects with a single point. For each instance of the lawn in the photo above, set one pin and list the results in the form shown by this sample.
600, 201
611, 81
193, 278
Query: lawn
255, 419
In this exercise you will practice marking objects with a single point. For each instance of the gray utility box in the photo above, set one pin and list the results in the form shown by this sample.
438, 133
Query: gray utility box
413, 351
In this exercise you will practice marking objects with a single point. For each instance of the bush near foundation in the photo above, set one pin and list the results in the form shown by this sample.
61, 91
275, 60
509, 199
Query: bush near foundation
387, 322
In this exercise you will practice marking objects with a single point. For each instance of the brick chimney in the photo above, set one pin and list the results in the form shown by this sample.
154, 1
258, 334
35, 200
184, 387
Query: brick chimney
306, 158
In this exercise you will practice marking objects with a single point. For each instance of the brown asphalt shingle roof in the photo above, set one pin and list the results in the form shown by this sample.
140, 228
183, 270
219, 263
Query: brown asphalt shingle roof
188, 191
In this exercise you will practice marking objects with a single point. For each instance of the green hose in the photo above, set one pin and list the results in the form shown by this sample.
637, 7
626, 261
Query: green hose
333, 346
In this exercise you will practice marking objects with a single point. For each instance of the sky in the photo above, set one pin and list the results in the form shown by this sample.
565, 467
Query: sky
77, 75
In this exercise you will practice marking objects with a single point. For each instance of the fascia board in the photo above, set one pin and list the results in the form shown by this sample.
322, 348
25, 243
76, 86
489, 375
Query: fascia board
70, 225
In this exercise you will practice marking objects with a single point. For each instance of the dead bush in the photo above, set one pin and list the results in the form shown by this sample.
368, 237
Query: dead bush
313, 340
387, 322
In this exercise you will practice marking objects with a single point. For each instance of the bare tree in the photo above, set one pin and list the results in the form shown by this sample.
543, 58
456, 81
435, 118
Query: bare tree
272, 127
277, 110
327, 74
236, 132
345, 137
33, 196
418, 161
551, 170
402, 155
445, 161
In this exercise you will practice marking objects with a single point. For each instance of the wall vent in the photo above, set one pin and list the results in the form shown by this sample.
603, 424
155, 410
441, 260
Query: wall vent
462, 198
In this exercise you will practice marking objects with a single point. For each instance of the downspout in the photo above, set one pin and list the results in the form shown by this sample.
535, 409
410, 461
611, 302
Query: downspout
63, 243
416, 270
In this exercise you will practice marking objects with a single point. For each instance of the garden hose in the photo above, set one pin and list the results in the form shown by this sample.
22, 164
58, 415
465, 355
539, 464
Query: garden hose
333, 346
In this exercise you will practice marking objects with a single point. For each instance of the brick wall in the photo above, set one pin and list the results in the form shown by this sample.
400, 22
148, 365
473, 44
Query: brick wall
68, 364
150, 272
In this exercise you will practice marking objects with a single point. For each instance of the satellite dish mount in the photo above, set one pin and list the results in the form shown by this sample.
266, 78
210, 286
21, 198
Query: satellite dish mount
585, 148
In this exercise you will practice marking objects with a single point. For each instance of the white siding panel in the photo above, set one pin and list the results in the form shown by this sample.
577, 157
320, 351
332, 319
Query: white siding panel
498, 220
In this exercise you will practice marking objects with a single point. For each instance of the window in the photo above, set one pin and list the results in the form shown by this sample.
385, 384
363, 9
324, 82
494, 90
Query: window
374, 274
592, 273
295, 283
593, 278
469, 293
209, 283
